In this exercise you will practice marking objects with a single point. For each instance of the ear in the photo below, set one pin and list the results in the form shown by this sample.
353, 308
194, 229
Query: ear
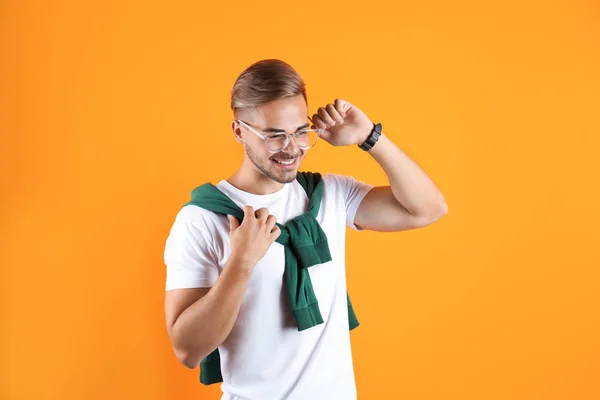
237, 131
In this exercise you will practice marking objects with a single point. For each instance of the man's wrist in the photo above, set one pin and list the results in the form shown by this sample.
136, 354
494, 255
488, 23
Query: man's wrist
241, 263
365, 136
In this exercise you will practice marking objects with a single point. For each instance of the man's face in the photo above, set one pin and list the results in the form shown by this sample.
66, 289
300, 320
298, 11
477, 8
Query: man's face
280, 116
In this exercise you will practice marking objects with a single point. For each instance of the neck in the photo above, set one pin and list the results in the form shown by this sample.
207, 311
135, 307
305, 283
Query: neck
252, 180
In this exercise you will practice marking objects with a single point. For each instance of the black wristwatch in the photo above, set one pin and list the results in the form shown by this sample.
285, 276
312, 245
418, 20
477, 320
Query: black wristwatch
372, 139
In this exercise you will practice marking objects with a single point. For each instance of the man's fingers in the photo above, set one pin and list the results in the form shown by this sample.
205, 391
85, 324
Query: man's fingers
334, 114
270, 223
325, 117
318, 122
248, 215
342, 107
262, 214
233, 223
275, 232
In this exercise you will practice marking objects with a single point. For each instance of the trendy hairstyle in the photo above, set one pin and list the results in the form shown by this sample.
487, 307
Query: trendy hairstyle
263, 82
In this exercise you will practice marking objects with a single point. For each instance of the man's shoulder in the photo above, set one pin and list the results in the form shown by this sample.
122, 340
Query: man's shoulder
199, 217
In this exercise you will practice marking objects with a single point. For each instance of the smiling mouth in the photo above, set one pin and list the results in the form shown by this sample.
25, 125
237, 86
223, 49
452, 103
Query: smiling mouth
286, 163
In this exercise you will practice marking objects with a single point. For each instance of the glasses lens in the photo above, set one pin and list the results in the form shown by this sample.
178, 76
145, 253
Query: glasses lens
306, 138
276, 143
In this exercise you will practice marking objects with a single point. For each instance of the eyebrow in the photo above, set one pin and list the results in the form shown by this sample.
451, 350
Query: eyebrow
275, 130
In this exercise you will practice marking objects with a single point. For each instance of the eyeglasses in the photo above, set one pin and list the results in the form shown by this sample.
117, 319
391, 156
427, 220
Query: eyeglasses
304, 138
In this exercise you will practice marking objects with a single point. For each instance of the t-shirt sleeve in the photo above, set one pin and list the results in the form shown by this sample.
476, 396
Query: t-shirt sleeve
189, 254
353, 192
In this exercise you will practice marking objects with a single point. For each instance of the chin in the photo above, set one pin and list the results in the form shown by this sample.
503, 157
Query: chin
284, 173
288, 177
283, 176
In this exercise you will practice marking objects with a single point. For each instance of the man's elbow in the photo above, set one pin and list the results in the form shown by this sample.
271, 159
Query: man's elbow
186, 358
434, 215
190, 364
443, 210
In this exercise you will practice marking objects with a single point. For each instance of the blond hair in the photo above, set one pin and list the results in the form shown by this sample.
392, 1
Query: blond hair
263, 82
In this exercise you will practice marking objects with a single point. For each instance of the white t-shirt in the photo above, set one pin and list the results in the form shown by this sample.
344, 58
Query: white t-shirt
265, 356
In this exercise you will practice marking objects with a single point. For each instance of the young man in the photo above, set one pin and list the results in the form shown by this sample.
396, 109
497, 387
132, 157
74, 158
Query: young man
275, 307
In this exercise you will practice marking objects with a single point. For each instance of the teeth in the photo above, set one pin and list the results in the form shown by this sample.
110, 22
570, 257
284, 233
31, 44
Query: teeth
289, 162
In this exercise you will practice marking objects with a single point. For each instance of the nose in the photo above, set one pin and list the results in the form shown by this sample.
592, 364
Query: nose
292, 148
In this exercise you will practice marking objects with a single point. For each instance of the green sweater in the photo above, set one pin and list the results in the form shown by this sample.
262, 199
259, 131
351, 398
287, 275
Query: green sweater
305, 245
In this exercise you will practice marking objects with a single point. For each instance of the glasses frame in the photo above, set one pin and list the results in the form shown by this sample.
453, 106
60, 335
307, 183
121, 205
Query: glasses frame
287, 137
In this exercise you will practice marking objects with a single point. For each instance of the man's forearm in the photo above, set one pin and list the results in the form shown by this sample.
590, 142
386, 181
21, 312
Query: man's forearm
206, 323
410, 184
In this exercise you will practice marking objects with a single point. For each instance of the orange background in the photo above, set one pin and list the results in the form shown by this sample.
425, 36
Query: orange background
111, 113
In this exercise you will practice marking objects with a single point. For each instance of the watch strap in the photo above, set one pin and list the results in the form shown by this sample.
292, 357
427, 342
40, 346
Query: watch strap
372, 138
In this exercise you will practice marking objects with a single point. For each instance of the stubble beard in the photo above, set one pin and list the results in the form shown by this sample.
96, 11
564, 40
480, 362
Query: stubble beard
280, 176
